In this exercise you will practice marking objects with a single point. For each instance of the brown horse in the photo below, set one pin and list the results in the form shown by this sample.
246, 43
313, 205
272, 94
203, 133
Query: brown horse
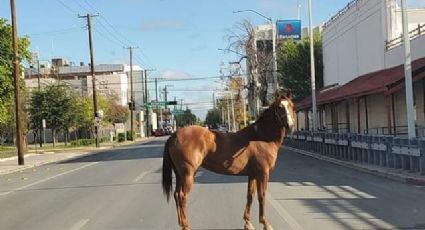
250, 152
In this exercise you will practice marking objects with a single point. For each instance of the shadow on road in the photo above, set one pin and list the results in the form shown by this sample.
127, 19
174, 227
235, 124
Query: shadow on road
340, 195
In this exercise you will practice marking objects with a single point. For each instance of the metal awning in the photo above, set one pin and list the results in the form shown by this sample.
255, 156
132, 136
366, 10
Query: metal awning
387, 81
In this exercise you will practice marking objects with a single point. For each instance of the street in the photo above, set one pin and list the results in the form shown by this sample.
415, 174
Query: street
121, 189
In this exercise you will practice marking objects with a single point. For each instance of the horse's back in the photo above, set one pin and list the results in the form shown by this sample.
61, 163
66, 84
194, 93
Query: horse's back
191, 144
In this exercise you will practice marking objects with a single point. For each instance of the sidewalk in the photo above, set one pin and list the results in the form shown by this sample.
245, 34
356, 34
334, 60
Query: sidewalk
392, 174
32, 159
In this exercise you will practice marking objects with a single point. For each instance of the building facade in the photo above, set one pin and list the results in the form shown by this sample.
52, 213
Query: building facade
363, 58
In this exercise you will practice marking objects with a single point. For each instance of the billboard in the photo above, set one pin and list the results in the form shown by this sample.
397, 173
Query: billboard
288, 29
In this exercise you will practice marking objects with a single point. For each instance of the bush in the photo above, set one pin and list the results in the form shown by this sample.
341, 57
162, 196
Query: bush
104, 140
130, 135
121, 137
83, 142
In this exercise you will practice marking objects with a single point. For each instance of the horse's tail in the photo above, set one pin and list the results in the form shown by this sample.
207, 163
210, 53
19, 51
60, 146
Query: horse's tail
167, 166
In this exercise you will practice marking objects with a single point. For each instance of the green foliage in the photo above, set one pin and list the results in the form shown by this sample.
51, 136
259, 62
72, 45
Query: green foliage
187, 118
121, 137
117, 113
6, 68
213, 118
56, 104
294, 66
130, 135
83, 142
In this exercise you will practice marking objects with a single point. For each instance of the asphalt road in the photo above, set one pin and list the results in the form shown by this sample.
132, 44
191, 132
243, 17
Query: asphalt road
121, 189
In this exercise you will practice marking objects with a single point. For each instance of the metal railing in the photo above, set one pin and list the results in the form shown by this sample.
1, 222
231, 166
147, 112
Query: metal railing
399, 131
418, 31
385, 151
341, 12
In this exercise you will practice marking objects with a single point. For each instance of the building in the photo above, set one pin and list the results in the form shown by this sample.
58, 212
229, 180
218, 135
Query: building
363, 60
112, 80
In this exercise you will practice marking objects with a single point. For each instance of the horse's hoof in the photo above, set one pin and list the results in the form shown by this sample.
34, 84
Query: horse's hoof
268, 227
249, 226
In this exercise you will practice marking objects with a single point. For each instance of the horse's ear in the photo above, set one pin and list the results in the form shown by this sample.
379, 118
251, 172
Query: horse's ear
289, 94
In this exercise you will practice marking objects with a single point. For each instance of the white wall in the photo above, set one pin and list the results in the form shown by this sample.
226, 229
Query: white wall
354, 43
111, 85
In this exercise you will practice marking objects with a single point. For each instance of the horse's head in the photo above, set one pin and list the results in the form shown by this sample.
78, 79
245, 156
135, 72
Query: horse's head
285, 110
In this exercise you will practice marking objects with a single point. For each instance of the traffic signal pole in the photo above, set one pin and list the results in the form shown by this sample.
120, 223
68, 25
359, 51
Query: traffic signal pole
132, 103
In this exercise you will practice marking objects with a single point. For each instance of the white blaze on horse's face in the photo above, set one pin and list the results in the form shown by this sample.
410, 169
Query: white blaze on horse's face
289, 114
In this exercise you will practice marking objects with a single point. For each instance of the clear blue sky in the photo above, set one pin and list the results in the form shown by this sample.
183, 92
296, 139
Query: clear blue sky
175, 37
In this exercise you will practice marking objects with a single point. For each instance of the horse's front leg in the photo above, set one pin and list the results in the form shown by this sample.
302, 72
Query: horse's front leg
250, 195
262, 182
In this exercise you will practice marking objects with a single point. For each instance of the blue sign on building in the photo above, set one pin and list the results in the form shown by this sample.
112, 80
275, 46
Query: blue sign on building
289, 29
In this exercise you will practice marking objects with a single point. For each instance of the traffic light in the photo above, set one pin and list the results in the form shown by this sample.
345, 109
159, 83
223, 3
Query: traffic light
132, 106
171, 102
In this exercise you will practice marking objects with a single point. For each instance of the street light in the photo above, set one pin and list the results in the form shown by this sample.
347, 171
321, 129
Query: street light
313, 70
275, 83
408, 73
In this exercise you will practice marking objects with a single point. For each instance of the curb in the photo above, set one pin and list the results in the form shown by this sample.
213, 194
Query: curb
408, 179
78, 154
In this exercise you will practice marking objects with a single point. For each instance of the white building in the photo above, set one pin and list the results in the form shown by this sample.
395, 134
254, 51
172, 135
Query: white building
112, 80
363, 60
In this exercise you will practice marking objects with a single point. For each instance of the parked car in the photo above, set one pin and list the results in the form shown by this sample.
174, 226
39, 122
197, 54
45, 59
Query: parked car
159, 132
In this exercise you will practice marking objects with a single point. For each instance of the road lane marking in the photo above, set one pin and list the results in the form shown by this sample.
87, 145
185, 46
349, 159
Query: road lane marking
143, 174
283, 213
79, 224
47, 179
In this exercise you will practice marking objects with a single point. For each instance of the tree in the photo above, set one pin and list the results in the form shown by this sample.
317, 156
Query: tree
259, 59
117, 113
6, 79
213, 118
187, 118
57, 105
294, 66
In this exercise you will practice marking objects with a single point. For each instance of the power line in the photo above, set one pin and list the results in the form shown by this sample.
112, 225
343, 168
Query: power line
67, 7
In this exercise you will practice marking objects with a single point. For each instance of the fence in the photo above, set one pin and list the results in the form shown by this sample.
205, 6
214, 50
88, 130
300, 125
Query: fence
418, 31
385, 151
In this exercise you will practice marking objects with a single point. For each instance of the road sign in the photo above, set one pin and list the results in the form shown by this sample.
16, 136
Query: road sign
178, 112
119, 128
43, 122
162, 103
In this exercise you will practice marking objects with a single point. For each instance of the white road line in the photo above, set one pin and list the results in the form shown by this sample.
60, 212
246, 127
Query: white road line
79, 224
283, 213
139, 177
48, 178
143, 174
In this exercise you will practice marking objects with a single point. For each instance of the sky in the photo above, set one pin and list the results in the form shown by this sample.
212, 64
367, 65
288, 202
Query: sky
179, 39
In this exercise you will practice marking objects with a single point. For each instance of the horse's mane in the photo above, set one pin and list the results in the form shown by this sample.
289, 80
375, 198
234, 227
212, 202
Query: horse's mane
266, 113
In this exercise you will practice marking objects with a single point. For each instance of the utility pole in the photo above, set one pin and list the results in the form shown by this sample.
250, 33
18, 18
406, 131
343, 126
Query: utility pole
18, 103
408, 73
95, 110
165, 97
146, 103
233, 112
156, 99
132, 102
313, 70
298, 10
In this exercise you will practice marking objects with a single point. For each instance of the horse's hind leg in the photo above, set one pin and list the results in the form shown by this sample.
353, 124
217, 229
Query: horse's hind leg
249, 198
177, 192
262, 181
187, 182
